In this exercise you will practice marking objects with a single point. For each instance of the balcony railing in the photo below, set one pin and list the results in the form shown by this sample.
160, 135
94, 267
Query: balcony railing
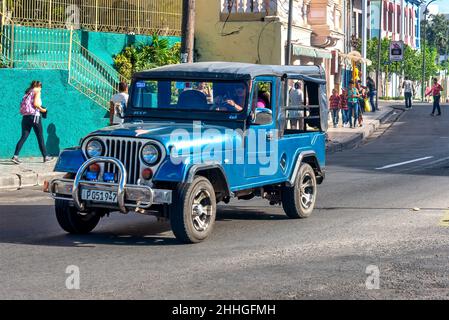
247, 10
122, 16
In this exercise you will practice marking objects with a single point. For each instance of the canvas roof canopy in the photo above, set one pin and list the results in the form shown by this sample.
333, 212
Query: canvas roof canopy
231, 71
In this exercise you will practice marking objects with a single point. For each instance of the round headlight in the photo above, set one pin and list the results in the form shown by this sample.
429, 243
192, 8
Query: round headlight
94, 149
150, 154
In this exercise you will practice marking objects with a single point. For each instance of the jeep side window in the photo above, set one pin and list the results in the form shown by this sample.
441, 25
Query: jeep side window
296, 100
263, 95
312, 111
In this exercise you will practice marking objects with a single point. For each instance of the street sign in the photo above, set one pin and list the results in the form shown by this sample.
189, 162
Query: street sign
396, 51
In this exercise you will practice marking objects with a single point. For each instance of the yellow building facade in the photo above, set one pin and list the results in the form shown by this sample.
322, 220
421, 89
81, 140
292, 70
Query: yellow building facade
255, 31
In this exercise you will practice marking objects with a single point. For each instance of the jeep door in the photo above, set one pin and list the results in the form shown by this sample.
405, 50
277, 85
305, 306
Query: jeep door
261, 139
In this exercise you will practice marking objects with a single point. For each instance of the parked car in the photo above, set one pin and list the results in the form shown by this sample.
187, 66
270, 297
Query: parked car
195, 135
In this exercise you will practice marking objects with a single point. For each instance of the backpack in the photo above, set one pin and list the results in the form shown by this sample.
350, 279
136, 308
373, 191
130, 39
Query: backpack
26, 106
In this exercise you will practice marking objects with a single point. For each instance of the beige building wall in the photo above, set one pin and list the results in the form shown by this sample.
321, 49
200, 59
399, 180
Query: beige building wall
237, 41
242, 34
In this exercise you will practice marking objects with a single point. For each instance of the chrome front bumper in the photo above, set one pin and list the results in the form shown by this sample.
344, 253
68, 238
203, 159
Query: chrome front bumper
128, 196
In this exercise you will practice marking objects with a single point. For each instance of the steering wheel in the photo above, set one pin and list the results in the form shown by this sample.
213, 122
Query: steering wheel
223, 106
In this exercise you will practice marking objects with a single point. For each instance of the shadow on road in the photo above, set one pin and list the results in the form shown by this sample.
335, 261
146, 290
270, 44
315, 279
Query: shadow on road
250, 213
37, 225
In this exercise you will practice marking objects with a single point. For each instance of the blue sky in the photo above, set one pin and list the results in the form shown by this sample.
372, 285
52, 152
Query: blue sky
443, 5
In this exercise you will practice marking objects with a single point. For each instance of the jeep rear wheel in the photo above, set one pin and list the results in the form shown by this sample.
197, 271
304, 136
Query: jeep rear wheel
193, 213
299, 201
72, 221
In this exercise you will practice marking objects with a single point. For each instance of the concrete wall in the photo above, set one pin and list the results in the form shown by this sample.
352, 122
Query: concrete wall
71, 114
252, 42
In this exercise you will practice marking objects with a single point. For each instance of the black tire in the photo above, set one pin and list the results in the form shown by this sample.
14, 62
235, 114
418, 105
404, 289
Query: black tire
299, 201
72, 222
191, 226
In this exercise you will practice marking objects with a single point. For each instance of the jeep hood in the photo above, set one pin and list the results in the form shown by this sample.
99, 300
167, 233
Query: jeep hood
169, 133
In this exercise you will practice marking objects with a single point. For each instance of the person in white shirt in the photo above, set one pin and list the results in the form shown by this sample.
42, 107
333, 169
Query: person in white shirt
409, 90
296, 99
117, 104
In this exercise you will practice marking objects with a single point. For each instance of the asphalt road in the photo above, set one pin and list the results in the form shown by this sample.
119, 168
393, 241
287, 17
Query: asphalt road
364, 220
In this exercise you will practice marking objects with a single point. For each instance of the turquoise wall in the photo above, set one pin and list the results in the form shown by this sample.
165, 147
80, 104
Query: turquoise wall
107, 45
71, 115
33, 45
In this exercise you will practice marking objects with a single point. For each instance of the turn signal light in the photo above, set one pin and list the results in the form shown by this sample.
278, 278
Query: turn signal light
95, 168
147, 174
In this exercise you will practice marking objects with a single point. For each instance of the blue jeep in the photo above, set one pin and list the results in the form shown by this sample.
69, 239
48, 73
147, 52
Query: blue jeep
195, 135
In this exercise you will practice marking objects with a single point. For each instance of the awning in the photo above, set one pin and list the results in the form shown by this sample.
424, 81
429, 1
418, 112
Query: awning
299, 50
355, 56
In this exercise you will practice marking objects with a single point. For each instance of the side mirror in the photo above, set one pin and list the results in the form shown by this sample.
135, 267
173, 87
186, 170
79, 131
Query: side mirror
262, 116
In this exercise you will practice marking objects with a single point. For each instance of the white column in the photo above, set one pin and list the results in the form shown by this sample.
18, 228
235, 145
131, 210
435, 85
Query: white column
364, 37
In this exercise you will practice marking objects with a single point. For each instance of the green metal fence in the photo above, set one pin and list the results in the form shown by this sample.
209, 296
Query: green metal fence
61, 49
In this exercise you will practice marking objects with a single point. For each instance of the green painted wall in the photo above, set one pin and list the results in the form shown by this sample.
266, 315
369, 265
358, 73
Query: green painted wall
33, 45
106, 45
71, 114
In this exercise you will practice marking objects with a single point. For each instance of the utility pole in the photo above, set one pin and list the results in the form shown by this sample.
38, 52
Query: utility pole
364, 38
424, 31
379, 50
188, 31
288, 49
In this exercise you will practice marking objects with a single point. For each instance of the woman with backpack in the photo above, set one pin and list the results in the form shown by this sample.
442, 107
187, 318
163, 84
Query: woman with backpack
31, 109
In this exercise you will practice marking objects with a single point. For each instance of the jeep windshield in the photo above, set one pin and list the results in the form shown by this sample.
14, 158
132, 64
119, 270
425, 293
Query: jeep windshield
189, 96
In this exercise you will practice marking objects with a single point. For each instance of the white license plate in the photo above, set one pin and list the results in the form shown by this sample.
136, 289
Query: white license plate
99, 196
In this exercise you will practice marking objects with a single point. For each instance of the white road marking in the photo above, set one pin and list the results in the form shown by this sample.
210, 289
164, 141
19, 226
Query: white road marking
403, 163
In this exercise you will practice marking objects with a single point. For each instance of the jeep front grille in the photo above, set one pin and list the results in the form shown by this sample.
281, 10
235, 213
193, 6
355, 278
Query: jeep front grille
128, 152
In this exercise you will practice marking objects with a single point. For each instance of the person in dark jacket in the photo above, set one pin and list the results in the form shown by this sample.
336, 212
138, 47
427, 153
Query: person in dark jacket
372, 92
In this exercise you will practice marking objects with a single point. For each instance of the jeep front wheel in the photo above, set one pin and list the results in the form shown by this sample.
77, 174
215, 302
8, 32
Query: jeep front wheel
193, 213
73, 221
299, 201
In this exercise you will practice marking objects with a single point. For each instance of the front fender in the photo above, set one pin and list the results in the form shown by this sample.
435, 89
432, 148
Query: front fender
70, 160
171, 172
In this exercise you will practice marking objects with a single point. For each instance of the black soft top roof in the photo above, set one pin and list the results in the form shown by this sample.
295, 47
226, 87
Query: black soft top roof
230, 71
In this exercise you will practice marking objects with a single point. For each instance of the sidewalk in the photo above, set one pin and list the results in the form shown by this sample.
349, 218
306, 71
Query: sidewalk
32, 172
346, 138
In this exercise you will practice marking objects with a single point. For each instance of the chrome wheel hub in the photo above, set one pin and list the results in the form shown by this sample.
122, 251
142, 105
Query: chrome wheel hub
201, 210
307, 191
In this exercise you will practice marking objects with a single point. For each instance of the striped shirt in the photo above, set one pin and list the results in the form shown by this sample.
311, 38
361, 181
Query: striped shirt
344, 101
334, 102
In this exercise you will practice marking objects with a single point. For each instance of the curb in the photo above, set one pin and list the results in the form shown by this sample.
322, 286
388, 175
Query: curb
19, 181
368, 130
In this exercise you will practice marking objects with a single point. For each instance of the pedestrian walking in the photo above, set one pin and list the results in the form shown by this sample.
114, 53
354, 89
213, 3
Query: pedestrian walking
32, 110
118, 104
372, 93
334, 105
409, 92
353, 105
436, 93
361, 103
344, 107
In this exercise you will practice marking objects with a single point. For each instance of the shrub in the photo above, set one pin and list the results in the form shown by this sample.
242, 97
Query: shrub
141, 57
